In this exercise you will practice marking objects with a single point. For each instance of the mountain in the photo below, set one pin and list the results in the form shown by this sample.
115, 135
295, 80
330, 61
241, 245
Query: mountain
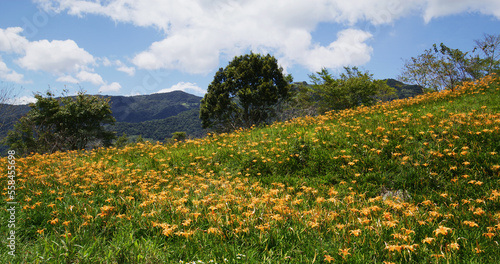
159, 129
154, 116
136, 109
9, 116
157, 116
404, 90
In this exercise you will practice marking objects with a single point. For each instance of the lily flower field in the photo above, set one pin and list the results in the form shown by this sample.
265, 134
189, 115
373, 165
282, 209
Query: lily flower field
408, 181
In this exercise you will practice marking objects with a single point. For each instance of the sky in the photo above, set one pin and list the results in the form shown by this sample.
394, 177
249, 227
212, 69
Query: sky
132, 47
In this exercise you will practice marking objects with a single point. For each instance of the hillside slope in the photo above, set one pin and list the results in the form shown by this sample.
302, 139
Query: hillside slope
413, 180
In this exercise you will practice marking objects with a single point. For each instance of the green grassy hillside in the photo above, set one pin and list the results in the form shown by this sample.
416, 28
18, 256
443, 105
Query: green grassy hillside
410, 181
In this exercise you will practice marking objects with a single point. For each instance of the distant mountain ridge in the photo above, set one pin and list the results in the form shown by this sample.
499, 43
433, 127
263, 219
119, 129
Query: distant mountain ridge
139, 108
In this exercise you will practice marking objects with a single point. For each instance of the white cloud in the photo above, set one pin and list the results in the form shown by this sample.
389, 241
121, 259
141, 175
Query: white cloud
120, 66
349, 49
93, 78
9, 75
56, 56
22, 100
106, 62
199, 33
62, 58
185, 52
187, 87
439, 8
11, 41
128, 70
67, 79
133, 93
113, 87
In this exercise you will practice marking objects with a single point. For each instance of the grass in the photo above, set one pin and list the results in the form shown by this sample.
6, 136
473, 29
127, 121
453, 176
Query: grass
412, 180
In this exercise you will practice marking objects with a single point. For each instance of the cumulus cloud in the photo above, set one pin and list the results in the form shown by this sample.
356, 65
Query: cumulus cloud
112, 87
67, 79
173, 15
56, 56
63, 58
128, 70
9, 75
199, 33
120, 66
350, 48
91, 77
263, 26
184, 52
106, 62
12, 41
187, 87
439, 8
23, 100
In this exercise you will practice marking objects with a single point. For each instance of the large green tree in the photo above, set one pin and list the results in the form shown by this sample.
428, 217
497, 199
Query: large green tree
244, 93
65, 123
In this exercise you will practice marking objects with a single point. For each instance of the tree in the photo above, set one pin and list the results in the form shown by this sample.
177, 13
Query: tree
442, 67
489, 45
7, 97
456, 66
139, 139
302, 102
353, 88
176, 137
122, 141
422, 71
179, 136
59, 124
244, 93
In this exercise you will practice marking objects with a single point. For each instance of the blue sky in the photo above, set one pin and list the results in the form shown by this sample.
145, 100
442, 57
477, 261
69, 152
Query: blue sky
127, 47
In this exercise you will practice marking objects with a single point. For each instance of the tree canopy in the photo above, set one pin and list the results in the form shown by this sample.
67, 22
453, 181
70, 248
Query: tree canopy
244, 93
352, 88
442, 67
489, 45
7, 97
59, 124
